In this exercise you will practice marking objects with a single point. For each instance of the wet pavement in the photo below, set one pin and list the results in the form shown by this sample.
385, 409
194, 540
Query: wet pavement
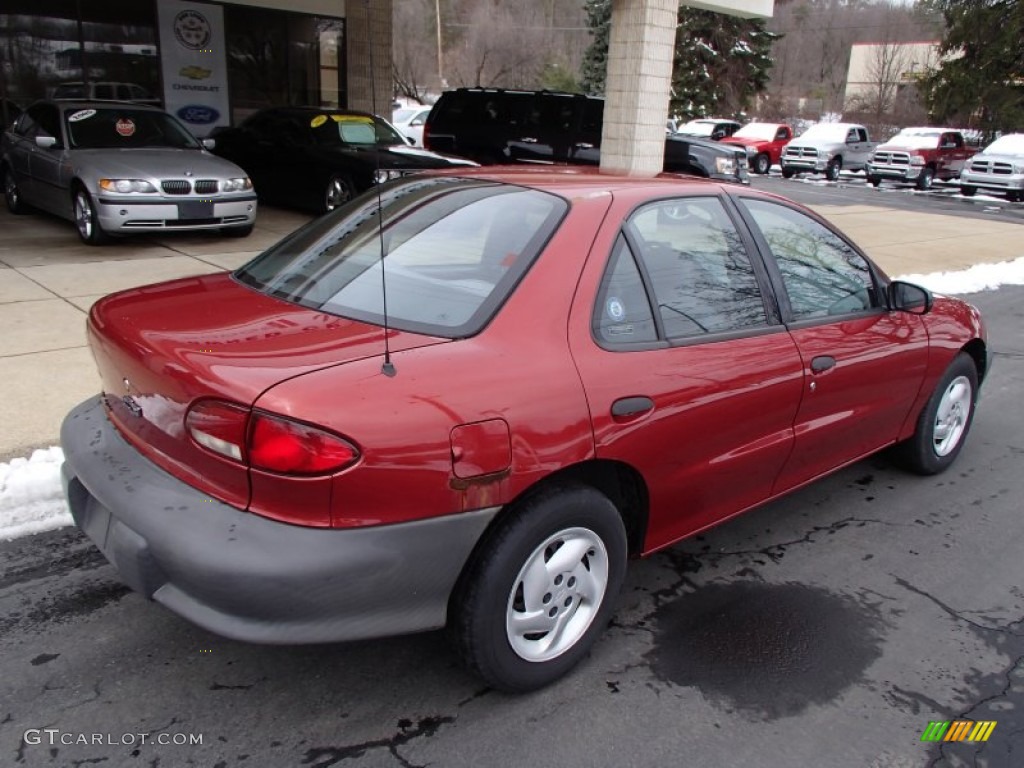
826, 629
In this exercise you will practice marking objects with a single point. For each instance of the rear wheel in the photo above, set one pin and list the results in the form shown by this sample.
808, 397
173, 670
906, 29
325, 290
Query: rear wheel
924, 181
945, 419
12, 194
541, 589
967, 190
835, 165
762, 164
339, 191
86, 219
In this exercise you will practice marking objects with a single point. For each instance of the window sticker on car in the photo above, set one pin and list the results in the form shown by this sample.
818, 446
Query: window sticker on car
125, 127
82, 114
317, 121
351, 119
615, 309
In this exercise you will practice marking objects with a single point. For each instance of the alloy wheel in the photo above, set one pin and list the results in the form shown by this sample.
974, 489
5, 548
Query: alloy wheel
951, 416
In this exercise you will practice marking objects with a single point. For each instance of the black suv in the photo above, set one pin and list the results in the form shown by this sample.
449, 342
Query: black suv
494, 126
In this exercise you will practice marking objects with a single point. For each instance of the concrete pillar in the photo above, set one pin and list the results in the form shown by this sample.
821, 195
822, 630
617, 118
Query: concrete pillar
640, 52
368, 26
639, 80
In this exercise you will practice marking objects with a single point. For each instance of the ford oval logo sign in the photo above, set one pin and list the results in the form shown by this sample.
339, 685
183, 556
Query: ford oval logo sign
198, 114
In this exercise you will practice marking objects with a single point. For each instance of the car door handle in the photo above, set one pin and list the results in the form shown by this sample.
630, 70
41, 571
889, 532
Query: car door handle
583, 145
822, 363
626, 407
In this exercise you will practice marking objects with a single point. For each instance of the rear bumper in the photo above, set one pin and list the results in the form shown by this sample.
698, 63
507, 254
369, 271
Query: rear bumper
247, 577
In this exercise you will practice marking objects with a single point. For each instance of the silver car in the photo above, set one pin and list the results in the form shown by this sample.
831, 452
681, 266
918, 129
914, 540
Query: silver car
1000, 168
118, 168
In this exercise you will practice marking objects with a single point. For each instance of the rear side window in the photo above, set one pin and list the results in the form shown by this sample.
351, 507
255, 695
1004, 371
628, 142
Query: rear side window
449, 250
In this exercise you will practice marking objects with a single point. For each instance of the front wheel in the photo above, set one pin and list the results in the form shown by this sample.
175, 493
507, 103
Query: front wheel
835, 165
945, 419
924, 181
762, 164
967, 190
86, 219
874, 180
541, 589
787, 173
12, 194
339, 191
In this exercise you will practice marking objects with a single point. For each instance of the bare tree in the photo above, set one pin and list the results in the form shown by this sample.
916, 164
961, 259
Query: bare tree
884, 75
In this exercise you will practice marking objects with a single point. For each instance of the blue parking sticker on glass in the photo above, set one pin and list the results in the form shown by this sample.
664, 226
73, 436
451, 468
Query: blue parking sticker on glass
615, 309
82, 114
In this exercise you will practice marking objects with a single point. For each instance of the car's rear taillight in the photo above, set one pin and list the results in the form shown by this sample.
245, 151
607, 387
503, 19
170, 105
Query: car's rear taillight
425, 138
219, 427
290, 447
265, 441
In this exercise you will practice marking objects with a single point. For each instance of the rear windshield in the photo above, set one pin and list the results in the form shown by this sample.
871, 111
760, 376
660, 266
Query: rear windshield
125, 128
349, 130
451, 251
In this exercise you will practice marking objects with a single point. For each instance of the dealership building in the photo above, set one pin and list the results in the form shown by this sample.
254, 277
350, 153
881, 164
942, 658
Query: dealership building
210, 63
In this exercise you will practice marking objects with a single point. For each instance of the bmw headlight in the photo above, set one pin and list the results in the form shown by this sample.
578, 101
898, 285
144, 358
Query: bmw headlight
725, 165
126, 186
235, 185
383, 174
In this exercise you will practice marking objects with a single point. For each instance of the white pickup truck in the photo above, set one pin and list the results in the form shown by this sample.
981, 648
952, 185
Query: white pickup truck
828, 148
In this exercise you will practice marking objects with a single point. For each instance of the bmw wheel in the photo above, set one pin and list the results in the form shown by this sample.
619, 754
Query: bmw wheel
86, 219
12, 194
541, 589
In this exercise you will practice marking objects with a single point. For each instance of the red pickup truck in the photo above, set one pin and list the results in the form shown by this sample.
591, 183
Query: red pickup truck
920, 155
764, 143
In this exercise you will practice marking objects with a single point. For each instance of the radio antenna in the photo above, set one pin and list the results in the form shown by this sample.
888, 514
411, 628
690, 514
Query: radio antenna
388, 368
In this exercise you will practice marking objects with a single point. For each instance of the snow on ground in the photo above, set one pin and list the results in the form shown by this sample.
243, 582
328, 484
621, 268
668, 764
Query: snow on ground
980, 277
31, 497
32, 500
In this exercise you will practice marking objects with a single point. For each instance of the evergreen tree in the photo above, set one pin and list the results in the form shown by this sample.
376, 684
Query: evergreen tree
980, 79
721, 62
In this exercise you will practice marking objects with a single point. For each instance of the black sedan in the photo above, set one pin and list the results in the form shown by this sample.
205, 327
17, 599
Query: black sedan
317, 159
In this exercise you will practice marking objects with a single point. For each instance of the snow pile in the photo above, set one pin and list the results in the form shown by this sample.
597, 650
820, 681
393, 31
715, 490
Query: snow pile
980, 277
31, 496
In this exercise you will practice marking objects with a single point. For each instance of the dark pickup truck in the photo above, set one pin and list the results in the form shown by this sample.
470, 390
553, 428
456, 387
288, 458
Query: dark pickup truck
498, 126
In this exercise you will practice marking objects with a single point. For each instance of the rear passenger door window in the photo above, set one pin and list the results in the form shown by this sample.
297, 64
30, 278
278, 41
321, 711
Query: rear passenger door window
823, 275
701, 277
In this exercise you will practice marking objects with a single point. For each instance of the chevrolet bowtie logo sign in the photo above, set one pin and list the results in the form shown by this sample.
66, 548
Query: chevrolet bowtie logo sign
958, 730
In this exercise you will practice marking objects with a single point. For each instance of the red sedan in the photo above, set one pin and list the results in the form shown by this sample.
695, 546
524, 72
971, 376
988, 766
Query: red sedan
469, 402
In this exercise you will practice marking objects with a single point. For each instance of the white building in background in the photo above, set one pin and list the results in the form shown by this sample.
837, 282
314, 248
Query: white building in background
899, 64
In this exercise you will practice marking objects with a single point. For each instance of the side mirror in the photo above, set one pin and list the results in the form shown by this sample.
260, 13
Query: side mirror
208, 143
410, 141
907, 297
46, 142
718, 135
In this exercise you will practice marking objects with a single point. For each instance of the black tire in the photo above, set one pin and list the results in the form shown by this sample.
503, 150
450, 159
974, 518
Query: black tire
86, 219
874, 180
15, 203
787, 173
338, 190
762, 164
1015, 196
945, 419
967, 190
924, 181
835, 165
585, 526
244, 231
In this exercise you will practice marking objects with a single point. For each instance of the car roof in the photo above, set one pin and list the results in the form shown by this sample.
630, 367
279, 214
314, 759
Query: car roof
570, 181
99, 104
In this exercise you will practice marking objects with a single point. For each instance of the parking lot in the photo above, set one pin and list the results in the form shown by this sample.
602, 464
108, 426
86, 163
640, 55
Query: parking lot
825, 629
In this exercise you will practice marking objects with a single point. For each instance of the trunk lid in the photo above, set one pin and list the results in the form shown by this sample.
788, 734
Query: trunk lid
162, 347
